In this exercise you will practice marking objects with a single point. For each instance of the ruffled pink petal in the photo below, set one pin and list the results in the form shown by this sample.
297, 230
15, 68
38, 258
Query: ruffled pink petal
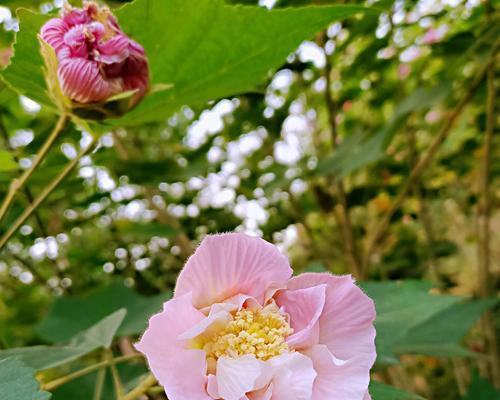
181, 371
81, 81
337, 379
367, 396
294, 377
210, 325
76, 17
75, 39
53, 33
229, 264
115, 50
238, 376
304, 306
346, 324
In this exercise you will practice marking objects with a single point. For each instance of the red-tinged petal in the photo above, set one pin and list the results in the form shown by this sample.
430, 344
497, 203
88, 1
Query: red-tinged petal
82, 81
53, 33
113, 51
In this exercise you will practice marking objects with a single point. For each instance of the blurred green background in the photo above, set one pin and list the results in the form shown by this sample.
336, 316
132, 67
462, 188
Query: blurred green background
373, 149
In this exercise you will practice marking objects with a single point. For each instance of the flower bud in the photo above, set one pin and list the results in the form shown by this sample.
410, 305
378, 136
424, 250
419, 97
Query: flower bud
101, 72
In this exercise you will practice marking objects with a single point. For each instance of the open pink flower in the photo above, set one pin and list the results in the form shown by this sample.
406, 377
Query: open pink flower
240, 328
96, 60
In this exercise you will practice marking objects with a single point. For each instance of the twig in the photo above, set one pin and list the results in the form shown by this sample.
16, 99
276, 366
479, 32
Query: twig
99, 383
421, 165
85, 371
45, 193
341, 213
117, 383
17, 184
26, 189
485, 278
142, 388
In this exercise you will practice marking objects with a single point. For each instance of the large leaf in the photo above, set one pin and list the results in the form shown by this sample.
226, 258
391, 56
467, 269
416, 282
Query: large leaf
206, 49
7, 162
60, 324
481, 389
402, 306
43, 357
379, 391
17, 382
442, 333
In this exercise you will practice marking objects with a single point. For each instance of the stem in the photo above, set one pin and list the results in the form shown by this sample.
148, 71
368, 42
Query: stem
421, 165
49, 386
485, 277
17, 184
99, 384
342, 213
142, 388
45, 193
117, 383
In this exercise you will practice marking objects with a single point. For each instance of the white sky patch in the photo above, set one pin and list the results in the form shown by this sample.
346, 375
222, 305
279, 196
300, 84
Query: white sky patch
311, 52
30, 106
209, 123
267, 3
282, 80
286, 238
5, 14
21, 138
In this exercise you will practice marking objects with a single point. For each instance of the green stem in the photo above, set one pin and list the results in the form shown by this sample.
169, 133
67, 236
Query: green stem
17, 184
45, 193
140, 389
117, 383
99, 384
85, 371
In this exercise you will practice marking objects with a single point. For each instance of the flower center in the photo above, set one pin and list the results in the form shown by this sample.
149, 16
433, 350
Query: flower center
262, 333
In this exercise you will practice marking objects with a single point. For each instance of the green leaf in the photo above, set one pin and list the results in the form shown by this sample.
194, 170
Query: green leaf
60, 324
379, 391
402, 306
7, 162
25, 73
212, 50
481, 389
17, 382
440, 335
43, 357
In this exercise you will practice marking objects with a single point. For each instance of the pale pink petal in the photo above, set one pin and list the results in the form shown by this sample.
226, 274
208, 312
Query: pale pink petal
75, 39
238, 376
337, 379
263, 394
53, 33
294, 377
181, 371
367, 396
76, 17
346, 324
115, 50
210, 325
304, 306
229, 264
212, 388
82, 81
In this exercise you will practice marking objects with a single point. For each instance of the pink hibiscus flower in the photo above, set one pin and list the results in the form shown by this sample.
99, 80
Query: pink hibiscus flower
241, 328
96, 60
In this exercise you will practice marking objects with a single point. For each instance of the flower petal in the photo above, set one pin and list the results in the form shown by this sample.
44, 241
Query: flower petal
53, 33
338, 380
182, 372
304, 307
82, 81
238, 376
346, 324
294, 377
115, 50
229, 264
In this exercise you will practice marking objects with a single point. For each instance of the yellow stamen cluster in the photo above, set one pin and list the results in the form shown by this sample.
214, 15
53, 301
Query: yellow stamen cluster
258, 332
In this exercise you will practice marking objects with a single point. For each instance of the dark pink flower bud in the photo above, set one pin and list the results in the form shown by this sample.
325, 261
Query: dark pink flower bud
96, 60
